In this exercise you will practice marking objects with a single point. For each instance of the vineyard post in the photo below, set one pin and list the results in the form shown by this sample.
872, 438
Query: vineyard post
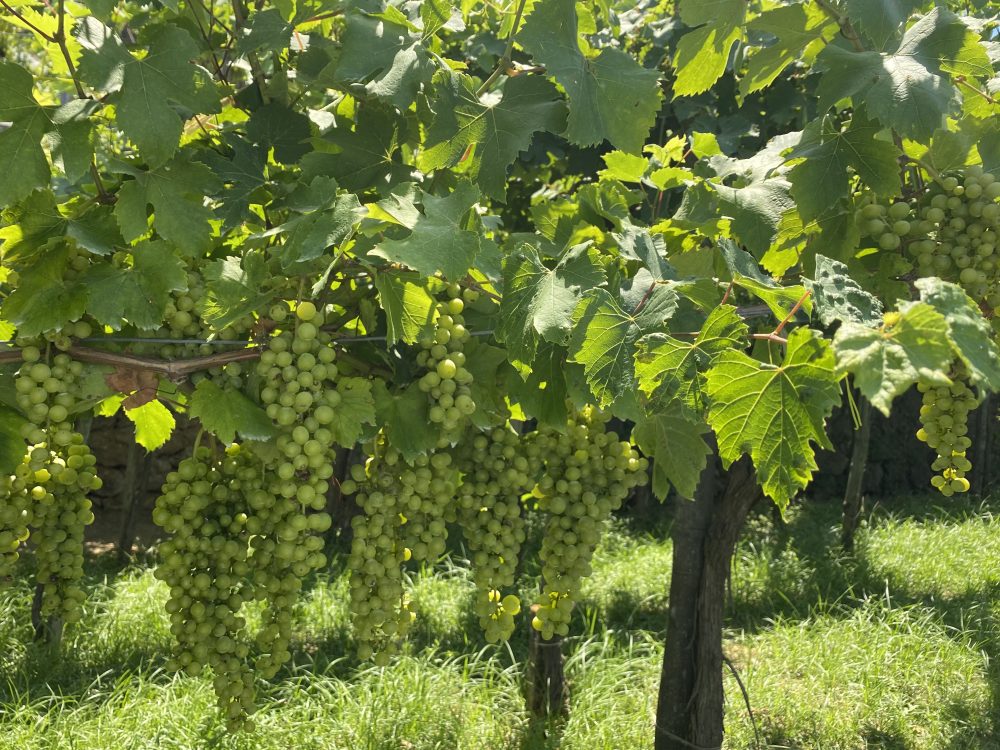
133, 486
853, 494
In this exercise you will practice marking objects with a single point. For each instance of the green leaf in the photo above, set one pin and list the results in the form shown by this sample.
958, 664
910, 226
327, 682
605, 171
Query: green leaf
838, 297
611, 96
638, 243
747, 275
154, 424
356, 409
275, 126
888, 360
756, 210
542, 394
538, 302
12, 445
677, 447
702, 56
880, 20
176, 191
486, 136
489, 368
438, 241
970, 334
226, 413
44, 299
309, 236
624, 167
138, 295
775, 413
794, 27
22, 160
243, 174
910, 98
233, 289
410, 310
148, 87
822, 178
605, 334
405, 420
267, 31
669, 370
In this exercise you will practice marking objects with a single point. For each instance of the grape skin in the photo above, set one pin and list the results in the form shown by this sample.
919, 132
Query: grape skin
944, 416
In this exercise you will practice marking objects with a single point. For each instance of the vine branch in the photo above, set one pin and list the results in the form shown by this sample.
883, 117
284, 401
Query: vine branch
847, 29
504, 62
26, 22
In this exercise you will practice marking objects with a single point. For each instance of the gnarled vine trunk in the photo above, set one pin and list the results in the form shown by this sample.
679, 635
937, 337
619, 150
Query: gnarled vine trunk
690, 706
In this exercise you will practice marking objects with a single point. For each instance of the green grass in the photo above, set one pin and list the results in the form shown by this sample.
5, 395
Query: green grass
896, 647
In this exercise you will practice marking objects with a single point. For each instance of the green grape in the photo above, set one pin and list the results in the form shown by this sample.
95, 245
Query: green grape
16, 513
496, 473
944, 415
588, 473
206, 561
446, 380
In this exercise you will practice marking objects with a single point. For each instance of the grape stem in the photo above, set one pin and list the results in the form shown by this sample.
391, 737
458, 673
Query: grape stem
504, 62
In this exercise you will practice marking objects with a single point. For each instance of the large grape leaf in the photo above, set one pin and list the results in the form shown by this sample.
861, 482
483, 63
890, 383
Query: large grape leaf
970, 334
886, 361
775, 413
308, 236
880, 20
794, 28
148, 87
22, 160
176, 191
281, 130
669, 369
438, 241
410, 310
702, 54
37, 220
611, 96
676, 444
355, 410
243, 173
46, 297
486, 135
822, 177
233, 288
542, 394
138, 294
538, 302
605, 333
838, 297
756, 210
226, 413
404, 418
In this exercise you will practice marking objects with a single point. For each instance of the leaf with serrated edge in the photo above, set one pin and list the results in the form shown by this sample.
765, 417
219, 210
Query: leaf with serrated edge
410, 310
154, 424
226, 413
836, 296
356, 409
674, 441
775, 413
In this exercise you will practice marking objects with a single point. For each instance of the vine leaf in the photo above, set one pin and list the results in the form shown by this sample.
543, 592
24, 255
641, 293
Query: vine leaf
485, 137
154, 424
36, 221
675, 442
611, 96
669, 370
356, 409
12, 447
176, 191
44, 300
147, 87
22, 160
822, 177
605, 335
243, 173
970, 334
775, 413
226, 413
410, 310
702, 54
538, 302
880, 20
405, 420
139, 294
886, 361
233, 288
836, 296
796, 29
542, 394
438, 241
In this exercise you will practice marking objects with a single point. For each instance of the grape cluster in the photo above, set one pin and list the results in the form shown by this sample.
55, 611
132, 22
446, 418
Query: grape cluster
49, 489
496, 474
447, 380
588, 473
300, 373
950, 231
16, 514
206, 562
944, 416
403, 517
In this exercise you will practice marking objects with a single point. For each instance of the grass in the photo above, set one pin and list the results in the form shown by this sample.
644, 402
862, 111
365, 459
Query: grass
895, 647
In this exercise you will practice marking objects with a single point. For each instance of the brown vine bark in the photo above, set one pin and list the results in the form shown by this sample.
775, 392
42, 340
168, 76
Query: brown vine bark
690, 706
856, 476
